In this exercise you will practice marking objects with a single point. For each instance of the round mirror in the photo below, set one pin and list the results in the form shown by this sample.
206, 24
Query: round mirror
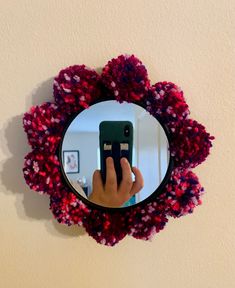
127, 146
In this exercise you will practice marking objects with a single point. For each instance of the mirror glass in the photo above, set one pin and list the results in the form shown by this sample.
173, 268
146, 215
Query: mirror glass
117, 130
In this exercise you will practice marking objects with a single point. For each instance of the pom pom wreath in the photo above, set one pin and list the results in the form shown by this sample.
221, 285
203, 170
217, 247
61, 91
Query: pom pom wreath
190, 143
42, 172
106, 228
76, 87
165, 99
182, 193
44, 125
126, 78
144, 222
67, 208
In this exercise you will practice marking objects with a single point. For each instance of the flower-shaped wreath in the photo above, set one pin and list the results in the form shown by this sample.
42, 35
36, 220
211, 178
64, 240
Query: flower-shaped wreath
123, 79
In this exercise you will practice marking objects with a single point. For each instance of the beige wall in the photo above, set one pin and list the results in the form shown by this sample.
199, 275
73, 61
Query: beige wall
187, 42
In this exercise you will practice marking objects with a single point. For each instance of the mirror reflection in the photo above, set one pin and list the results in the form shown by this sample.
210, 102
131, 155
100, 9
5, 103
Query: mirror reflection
115, 154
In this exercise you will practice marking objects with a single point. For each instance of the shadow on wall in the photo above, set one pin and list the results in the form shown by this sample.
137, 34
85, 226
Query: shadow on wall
28, 203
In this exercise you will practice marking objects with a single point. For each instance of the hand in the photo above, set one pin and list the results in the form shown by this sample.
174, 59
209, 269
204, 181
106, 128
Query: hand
110, 194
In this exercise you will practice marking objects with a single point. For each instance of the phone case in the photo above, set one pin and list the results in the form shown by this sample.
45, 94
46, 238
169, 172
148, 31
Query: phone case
115, 142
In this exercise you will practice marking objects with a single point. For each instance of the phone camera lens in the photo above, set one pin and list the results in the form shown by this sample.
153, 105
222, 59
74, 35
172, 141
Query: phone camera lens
126, 131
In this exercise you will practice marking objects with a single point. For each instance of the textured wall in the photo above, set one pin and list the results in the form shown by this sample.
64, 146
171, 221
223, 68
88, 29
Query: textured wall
188, 42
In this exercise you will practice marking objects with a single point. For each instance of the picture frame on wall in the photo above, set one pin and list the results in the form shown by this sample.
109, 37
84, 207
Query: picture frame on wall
71, 161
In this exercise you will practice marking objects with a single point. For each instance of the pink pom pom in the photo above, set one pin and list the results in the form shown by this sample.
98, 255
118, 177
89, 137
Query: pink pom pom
165, 99
182, 193
76, 87
126, 78
147, 220
42, 172
190, 143
106, 228
44, 125
67, 208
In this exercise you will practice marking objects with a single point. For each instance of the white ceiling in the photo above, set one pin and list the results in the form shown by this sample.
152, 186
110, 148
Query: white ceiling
89, 119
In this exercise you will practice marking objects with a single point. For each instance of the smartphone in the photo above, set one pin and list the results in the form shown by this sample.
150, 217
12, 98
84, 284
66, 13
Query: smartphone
116, 141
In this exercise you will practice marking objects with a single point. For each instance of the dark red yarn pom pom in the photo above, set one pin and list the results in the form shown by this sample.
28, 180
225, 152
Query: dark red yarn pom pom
76, 87
165, 99
67, 208
182, 193
126, 78
144, 222
190, 143
44, 125
42, 172
106, 228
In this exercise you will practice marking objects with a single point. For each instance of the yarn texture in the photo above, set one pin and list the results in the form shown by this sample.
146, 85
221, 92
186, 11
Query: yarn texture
123, 78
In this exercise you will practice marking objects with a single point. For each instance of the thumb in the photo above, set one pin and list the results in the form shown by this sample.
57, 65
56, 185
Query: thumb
138, 183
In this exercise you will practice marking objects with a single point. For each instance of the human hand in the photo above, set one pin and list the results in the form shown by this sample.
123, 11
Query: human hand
109, 194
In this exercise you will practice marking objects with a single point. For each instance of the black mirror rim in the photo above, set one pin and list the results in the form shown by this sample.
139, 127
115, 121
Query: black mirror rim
90, 204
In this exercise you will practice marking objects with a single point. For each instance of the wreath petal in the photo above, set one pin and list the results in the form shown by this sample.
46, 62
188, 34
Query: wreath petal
182, 193
144, 222
44, 125
166, 99
106, 228
42, 172
67, 208
126, 78
190, 143
76, 87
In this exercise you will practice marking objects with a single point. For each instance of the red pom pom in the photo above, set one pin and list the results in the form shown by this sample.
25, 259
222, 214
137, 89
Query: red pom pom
144, 222
42, 172
67, 208
182, 193
126, 78
165, 99
106, 228
190, 143
44, 125
76, 87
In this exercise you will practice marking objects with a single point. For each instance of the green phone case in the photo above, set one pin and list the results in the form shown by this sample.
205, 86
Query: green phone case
115, 142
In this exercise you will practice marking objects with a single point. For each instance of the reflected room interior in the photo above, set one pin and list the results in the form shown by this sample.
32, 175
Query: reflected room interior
81, 149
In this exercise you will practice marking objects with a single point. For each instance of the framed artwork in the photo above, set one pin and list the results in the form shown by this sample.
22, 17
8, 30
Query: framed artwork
71, 161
